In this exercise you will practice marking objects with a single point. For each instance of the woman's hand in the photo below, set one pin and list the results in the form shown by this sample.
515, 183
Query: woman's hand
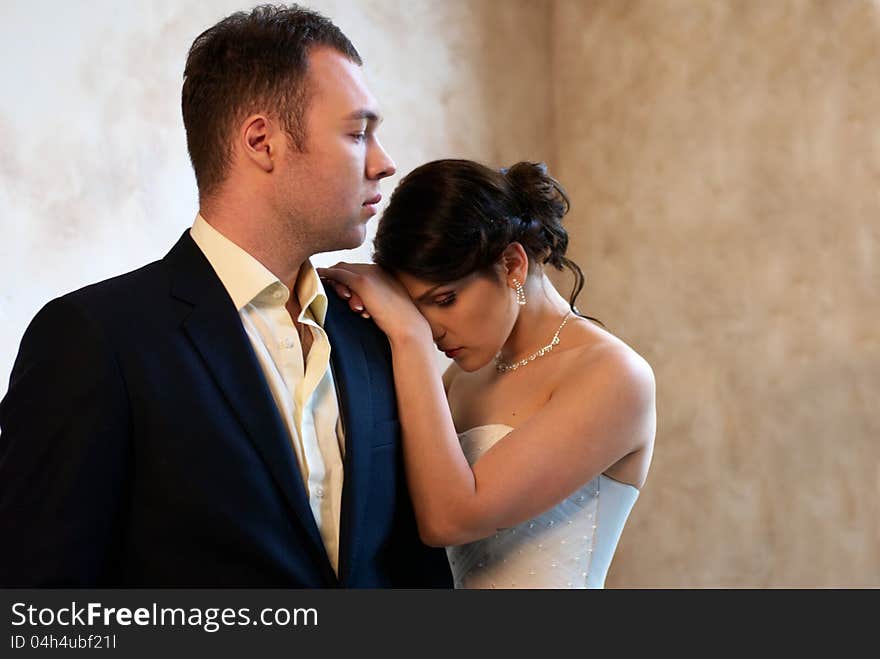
372, 292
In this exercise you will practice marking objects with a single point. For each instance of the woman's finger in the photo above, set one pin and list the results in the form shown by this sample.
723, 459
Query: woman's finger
341, 291
346, 277
340, 276
356, 303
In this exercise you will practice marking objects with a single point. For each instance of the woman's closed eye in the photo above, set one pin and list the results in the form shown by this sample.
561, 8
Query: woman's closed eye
445, 300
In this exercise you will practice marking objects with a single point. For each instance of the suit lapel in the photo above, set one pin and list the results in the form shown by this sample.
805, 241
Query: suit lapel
352, 376
214, 328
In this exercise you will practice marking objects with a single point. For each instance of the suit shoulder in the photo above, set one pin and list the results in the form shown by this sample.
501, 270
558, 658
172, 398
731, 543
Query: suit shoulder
120, 287
100, 305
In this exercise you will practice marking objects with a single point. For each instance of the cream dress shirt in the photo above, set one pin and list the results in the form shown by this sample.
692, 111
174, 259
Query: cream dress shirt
305, 394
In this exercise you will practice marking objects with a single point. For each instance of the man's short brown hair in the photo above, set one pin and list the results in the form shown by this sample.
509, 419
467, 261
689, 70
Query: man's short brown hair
250, 62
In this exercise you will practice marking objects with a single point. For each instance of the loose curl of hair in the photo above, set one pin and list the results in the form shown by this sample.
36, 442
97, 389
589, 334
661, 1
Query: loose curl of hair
450, 218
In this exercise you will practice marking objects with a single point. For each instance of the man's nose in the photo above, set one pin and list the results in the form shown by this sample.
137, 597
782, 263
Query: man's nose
379, 165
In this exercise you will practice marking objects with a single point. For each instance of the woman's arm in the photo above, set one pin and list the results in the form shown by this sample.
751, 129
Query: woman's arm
602, 410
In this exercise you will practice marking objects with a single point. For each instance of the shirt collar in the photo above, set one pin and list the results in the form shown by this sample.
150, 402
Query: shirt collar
310, 293
248, 281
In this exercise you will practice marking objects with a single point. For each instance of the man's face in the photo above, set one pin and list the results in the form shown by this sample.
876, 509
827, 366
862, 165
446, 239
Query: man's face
330, 191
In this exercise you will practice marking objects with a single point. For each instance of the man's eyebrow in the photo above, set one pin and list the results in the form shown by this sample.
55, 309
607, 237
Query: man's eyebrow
369, 115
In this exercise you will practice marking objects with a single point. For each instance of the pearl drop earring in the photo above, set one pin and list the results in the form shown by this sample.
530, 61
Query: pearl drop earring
520, 292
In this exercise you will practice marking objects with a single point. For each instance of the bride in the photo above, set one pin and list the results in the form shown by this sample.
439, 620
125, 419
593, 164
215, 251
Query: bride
527, 456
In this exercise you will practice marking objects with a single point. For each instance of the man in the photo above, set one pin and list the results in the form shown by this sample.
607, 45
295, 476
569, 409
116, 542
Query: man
214, 418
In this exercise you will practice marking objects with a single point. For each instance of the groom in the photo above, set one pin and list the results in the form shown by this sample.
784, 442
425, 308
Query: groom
215, 418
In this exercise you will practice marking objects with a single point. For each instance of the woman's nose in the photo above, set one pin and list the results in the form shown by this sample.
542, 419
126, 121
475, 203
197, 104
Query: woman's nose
437, 332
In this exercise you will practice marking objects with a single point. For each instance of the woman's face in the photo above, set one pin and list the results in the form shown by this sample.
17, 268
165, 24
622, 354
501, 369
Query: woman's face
470, 318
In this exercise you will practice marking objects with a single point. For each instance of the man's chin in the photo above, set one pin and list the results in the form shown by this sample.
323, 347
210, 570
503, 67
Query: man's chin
350, 239
355, 237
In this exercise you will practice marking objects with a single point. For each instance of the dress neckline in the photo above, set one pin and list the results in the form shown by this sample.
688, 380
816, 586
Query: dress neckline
486, 425
504, 425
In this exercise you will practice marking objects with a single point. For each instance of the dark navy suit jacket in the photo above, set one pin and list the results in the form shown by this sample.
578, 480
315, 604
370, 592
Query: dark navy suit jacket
140, 446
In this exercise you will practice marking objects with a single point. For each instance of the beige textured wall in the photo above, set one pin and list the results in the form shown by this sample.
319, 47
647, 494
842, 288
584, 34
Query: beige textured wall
724, 162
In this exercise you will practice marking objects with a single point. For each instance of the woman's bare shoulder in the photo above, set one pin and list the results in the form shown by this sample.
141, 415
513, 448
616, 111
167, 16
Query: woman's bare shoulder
605, 395
601, 358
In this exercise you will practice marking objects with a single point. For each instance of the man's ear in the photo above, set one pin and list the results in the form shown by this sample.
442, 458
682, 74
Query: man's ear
257, 139
515, 262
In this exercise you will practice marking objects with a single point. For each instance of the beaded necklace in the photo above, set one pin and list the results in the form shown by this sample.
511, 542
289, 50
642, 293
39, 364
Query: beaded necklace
504, 367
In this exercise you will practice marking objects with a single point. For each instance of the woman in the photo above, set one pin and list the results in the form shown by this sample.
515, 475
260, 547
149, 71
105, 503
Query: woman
526, 458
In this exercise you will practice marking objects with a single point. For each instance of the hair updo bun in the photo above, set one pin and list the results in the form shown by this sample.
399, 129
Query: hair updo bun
543, 203
450, 218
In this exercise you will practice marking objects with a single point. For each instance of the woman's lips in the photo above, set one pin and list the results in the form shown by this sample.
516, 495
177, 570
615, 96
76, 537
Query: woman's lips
452, 353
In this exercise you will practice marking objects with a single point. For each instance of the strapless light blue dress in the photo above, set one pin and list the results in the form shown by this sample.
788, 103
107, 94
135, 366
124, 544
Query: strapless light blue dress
569, 546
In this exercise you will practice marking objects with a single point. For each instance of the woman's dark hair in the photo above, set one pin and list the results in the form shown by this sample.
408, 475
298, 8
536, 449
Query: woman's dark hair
450, 218
254, 61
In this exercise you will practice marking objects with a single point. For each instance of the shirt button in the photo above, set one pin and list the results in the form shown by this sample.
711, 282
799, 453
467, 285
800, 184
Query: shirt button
277, 295
319, 492
287, 343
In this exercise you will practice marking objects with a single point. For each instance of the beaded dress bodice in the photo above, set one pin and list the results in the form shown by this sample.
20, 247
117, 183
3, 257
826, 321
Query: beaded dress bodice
569, 546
